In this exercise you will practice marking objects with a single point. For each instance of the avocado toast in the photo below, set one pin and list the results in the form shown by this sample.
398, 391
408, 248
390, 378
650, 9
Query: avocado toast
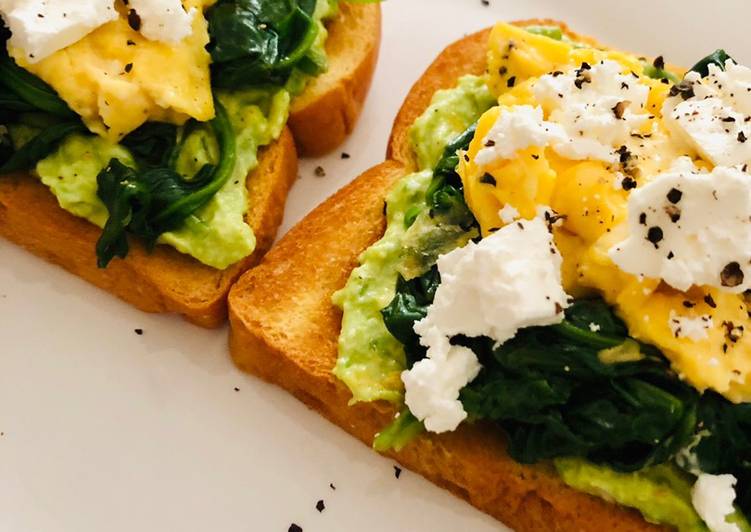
581, 418
215, 235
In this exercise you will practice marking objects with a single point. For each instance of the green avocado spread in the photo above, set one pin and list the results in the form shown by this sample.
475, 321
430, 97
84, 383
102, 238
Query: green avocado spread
662, 493
216, 234
371, 360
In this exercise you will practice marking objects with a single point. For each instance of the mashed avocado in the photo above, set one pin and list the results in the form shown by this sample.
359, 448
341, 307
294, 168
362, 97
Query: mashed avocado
216, 234
370, 359
662, 493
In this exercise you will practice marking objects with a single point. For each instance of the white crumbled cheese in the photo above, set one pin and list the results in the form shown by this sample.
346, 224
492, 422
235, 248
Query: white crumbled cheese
163, 20
42, 27
509, 280
597, 106
508, 213
690, 228
594, 327
516, 129
712, 497
693, 328
712, 115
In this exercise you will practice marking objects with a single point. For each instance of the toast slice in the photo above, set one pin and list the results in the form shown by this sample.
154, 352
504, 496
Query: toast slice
166, 280
284, 329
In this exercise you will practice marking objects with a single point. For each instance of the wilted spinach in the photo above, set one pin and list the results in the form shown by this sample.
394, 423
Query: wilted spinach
410, 304
717, 58
725, 445
152, 200
551, 392
153, 144
260, 41
22, 92
446, 193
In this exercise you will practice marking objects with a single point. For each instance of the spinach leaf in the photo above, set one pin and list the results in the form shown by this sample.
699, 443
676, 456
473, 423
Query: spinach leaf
725, 445
30, 89
445, 194
717, 58
6, 146
152, 144
259, 41
22, 92
40, 146
553, 394
410, 304
151, 201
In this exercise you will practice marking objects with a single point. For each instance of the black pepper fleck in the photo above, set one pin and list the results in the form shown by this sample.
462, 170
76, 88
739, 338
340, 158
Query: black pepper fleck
628, 183
134, 20
320, 506
294, 528
731, 275
488, 179
709, 300
674, 195
319, 171
654, 235
345, 155
511, 81
139, 332
397, 471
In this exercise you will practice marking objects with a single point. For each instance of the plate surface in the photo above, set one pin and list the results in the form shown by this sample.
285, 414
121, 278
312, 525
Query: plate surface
103, 429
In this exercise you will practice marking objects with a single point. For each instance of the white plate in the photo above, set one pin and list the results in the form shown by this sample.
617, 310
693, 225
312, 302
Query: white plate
105, 430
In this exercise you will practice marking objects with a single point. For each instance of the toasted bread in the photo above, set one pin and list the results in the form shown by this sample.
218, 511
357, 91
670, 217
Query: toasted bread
284, 329
166, 280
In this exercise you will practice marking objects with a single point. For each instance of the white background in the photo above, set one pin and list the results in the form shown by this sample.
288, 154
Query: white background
105, 430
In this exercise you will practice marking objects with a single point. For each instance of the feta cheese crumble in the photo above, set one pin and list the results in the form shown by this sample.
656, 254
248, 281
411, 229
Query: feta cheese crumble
693, 328
597, 106
163, 20
712, 497
516, 129
509, 280
42, 27
711, 114
508, 213
690, 228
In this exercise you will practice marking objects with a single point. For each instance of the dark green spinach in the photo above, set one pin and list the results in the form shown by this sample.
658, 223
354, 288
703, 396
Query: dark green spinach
410, 304
255, 41
153, 200
40, 146
717, 58
725, 445
22, 92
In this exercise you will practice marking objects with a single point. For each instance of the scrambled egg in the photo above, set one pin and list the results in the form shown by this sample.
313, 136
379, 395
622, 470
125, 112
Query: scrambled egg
116, 79
594, 207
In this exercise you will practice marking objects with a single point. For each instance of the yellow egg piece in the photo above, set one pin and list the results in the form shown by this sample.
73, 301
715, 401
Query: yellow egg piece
590, 197
116, 79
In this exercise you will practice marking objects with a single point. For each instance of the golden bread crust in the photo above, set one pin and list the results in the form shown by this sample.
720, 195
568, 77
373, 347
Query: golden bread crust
326, 113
